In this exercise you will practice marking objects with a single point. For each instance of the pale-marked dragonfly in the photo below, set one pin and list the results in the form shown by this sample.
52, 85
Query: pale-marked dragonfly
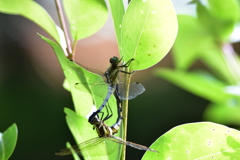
104, 144
112, 84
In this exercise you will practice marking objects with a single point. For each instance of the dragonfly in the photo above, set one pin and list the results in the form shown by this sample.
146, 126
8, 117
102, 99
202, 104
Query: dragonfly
93, 147
110, 78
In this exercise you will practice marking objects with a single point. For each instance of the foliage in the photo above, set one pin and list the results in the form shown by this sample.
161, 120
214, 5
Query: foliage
202, 140
151, 21
207, 38
146, 31
8, 140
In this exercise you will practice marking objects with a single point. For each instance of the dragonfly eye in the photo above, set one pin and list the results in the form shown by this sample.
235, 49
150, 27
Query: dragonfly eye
114, 60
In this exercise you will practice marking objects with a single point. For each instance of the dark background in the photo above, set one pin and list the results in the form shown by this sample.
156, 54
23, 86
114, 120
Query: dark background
31, 93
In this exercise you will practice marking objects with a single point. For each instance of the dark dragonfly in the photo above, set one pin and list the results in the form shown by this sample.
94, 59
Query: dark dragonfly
110, 83
105, 143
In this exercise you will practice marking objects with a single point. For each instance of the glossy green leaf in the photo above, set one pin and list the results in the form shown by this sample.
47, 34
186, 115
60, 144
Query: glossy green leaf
86, 17
193, 43
197, 141
32, 11
203, 85
219, 17
149, 29
8, 141
224, 113
117, 10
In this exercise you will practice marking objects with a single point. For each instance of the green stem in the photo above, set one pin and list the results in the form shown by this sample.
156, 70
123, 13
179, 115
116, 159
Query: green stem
125, 113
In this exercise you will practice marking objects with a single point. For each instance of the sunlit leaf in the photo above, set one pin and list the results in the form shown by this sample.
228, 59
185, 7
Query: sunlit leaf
149, 29
203, 85
8, 140
224, 113
219, 17
193, 43
32, 11
86, 17
117, 10
197, 141
220, 9
192, 40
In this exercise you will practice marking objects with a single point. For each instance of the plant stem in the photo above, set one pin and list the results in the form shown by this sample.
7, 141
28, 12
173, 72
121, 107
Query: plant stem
64, 28
125, 113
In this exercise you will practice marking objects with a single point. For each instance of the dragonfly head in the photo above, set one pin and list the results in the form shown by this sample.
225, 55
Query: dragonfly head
93, 119
114, 60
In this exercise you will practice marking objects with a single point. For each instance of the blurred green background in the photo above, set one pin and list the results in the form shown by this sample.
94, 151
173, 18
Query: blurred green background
31, 93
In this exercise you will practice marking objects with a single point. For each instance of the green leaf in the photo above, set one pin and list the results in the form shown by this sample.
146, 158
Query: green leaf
117, 10
194, 42
84, 104
203, 85
197, 141
149, 29
8, 141
191, 41
32, 11
224, 113
66, 85
219, 17
220, 9
86, 17
193, 2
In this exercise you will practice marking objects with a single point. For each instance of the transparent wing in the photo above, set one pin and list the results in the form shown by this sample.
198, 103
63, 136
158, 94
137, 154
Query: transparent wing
93, 147
131, 144
90, 81
134, 90
95, 71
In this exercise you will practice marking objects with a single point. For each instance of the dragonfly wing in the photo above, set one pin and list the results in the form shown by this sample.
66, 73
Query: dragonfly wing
135, 89
93, 147
95, 71
131, 144
89, 80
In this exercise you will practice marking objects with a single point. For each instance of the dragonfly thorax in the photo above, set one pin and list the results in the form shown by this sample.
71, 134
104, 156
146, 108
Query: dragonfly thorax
103, 130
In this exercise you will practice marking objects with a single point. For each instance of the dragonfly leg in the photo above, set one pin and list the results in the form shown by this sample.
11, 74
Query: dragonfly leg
109, 113
128, 63
125, 66
126, 72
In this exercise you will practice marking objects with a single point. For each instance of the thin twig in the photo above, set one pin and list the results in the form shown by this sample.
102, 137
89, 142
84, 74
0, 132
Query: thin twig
64, 28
